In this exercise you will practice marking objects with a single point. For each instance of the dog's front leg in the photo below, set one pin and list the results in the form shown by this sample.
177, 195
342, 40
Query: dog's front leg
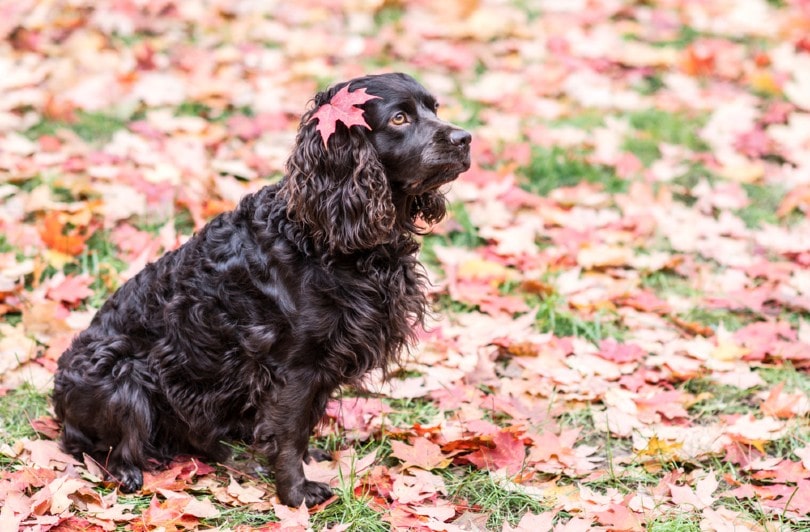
282, 434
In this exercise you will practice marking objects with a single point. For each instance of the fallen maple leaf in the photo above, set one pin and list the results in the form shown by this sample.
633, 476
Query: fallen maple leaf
619, 518
422, 453
59, 237
341, 108
417, 486
508, 453
245, 494
70, 289
660, 448
698, 499
175, 477
179, 511
784, 405
46, 426
531, 523
46, 454
292, 518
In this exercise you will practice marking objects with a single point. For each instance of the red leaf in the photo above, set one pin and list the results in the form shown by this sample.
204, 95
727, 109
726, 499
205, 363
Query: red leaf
169, 515
614, 351
176, 477
77, 524
46, 426
509, 453
341, 108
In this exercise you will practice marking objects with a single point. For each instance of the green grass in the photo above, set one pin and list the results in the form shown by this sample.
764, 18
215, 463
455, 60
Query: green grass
664, 283
405, 413
652, 127
5, 246
555, 167
232, 517
675, 522
17, 409
717, 399
650, 84
793, 378
89, 126
686, 36
764, 202
552, 316
100, 260
358, 512
588, 119
390, 14
715, 318
479, 491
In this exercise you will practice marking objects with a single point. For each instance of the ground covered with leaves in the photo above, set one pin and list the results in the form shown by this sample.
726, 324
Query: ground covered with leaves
622, 335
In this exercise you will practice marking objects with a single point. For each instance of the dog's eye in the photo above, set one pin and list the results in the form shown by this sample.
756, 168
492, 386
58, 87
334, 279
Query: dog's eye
399, 119
436, 107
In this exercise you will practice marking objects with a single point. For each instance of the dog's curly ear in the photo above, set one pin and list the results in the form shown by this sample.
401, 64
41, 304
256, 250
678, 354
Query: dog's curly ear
339, 191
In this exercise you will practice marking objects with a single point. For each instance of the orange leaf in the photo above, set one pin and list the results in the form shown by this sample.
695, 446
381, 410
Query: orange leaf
422, 453
59, 237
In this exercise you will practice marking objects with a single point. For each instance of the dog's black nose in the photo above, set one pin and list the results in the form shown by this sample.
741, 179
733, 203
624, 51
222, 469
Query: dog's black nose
459, 137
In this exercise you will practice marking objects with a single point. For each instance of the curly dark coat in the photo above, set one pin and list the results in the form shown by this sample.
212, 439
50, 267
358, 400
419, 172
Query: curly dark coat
245, 331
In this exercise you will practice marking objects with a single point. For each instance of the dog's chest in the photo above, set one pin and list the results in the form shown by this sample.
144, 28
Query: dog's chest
364, 315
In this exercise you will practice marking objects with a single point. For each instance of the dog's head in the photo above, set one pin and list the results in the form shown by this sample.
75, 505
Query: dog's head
362, 186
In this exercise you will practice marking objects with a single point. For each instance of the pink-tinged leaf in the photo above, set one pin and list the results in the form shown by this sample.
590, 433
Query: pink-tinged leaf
532, 523
620, 518
46, 426
417, 486
202, 508
725, 520
46, 454
700, 498
71, 289
341, 108
292, 518
422, 453
785, 471
508, 453
620, 353
576, 524
245, 494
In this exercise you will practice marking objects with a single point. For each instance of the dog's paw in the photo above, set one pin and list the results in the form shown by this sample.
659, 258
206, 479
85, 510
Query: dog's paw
311, 493
130, 478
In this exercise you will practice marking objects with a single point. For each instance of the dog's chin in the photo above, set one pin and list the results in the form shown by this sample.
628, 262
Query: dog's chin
439, 174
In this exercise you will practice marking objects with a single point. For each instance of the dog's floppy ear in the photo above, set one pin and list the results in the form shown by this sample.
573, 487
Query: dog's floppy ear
337, 188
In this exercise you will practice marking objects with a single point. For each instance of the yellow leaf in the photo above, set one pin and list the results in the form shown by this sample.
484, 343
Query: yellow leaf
484, 269
604, 256
764, 81
727, 351
657, 447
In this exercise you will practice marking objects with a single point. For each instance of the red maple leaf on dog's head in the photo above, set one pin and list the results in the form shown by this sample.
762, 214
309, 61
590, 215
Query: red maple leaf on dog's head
341, 108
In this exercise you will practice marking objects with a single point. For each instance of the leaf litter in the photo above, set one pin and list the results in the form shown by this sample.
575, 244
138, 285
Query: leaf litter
623, 311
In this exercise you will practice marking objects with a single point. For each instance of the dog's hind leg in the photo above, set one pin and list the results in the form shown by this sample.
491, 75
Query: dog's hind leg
129, 417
